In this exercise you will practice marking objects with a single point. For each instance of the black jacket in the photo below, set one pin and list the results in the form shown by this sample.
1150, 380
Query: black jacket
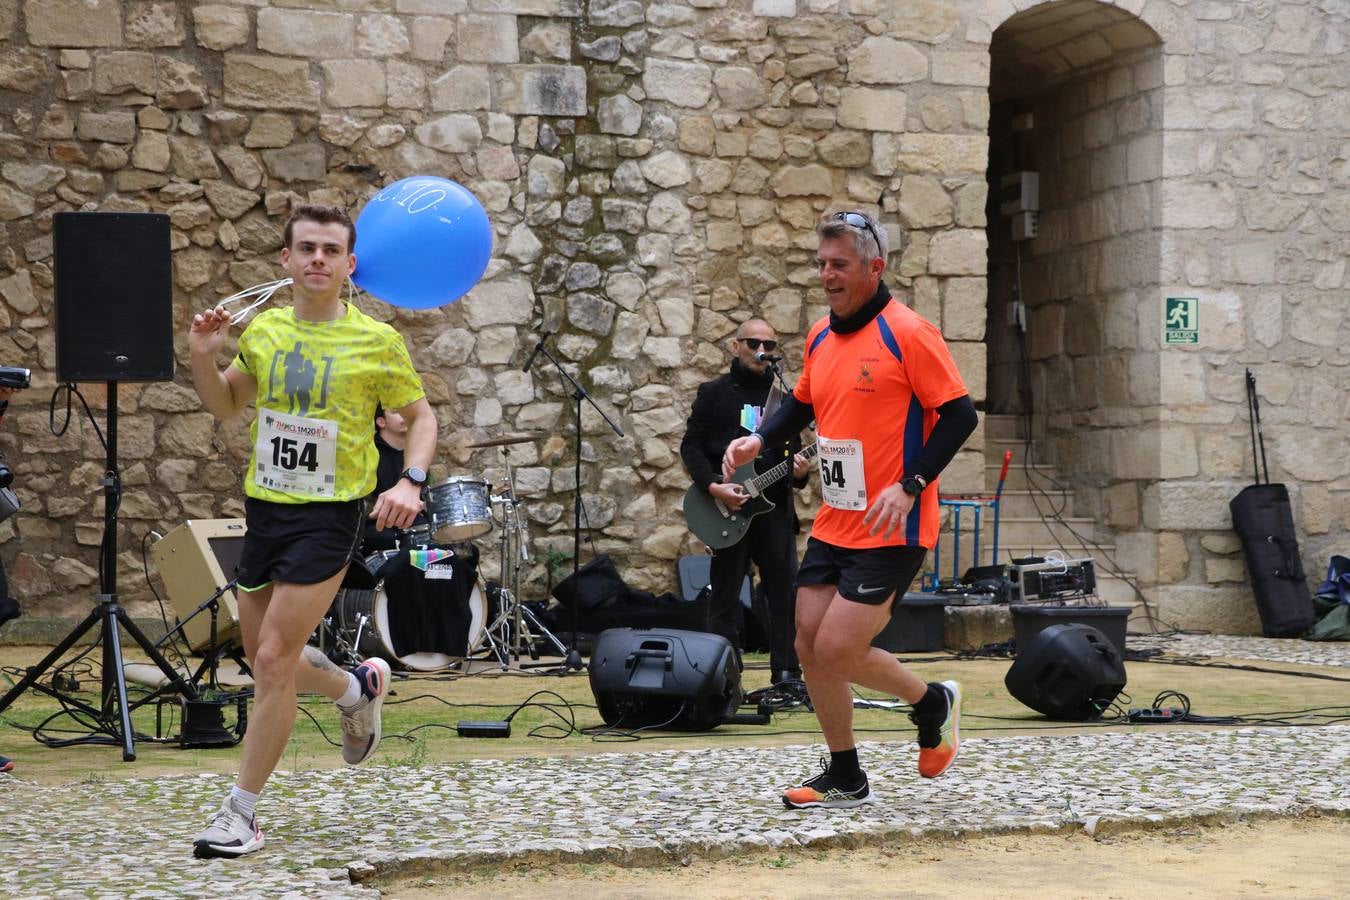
715, 421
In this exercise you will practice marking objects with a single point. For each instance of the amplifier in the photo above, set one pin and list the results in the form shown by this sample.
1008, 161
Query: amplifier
1035, 578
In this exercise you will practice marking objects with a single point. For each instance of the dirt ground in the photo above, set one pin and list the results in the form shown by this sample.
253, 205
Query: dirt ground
1303, 858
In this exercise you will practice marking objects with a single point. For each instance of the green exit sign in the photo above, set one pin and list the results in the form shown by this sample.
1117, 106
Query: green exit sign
1181, 320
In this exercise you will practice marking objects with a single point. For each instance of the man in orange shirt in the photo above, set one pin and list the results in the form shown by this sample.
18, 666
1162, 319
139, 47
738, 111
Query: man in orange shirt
891, 411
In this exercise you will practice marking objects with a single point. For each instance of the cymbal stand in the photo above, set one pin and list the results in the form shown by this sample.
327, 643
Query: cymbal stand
526, 628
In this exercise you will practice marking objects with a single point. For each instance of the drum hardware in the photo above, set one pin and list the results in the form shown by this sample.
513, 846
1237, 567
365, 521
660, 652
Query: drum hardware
514, 625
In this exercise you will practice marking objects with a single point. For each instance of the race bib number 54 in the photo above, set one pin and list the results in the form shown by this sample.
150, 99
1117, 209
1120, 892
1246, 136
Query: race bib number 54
295, 454
843, 485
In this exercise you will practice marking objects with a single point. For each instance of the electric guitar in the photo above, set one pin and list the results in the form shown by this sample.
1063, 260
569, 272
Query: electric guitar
718, 525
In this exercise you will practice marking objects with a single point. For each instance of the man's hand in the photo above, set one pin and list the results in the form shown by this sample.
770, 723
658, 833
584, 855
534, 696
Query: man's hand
7, 392
398, 506
801, 466
209, 332
732, 495
739, 452
890, 509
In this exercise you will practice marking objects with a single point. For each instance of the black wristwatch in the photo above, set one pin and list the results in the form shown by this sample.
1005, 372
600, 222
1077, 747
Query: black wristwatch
913, 485
415, 475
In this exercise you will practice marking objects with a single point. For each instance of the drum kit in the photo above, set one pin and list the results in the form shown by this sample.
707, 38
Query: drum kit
429, 587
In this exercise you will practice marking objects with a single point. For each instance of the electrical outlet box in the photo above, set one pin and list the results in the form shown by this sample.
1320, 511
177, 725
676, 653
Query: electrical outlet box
1024, 226
492, 729
1019, 192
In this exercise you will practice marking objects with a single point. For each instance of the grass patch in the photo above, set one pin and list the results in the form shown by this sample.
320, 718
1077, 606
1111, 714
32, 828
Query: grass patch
421, 715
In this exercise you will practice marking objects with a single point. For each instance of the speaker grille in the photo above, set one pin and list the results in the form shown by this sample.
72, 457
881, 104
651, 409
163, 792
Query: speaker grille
114, 296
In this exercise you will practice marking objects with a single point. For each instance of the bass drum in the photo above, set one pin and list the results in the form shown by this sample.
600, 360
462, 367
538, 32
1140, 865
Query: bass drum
422, 619
365, 618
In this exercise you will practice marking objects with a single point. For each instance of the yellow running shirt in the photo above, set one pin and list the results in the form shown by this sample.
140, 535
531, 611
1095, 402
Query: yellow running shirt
318, 383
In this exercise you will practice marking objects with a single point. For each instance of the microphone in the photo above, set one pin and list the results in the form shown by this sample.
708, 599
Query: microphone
768, 357
534, 354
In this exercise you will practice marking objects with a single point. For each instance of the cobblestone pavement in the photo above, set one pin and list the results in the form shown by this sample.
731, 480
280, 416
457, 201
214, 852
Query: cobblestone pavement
1285, 650
130, 838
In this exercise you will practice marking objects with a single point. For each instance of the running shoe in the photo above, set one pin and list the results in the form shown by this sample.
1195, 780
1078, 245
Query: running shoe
6, 764
228, 834
940, 733
361, 722
827, 791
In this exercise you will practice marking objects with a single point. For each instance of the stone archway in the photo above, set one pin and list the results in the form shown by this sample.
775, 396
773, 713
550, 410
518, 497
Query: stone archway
1076, 97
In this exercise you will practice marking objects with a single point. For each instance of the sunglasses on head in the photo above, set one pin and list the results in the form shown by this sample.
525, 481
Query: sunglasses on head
858, 220
756, 343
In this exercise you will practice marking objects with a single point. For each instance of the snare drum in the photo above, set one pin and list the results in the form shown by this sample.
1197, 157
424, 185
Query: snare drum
460, 509
372, 620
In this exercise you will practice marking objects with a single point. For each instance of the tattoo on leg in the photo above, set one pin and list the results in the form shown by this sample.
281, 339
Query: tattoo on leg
315, 658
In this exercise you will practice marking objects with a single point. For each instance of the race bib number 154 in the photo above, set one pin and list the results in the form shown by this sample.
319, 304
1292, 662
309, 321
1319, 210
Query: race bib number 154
295, 454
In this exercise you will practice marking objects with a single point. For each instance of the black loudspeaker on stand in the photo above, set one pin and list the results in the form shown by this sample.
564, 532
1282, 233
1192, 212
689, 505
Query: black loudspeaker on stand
114, 296
667, 678
112, 280
1067, 672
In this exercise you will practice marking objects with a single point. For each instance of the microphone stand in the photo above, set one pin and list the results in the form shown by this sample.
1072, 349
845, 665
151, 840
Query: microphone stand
578, 394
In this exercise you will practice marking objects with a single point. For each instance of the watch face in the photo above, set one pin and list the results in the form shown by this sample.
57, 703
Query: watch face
416, 475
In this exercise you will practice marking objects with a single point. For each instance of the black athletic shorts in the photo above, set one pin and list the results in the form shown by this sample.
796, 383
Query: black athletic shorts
868, 576
298, 543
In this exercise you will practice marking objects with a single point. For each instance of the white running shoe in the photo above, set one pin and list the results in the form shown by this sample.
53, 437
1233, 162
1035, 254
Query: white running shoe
361, 723
228, 834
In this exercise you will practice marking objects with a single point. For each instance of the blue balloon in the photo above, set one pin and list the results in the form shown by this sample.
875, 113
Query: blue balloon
421, 242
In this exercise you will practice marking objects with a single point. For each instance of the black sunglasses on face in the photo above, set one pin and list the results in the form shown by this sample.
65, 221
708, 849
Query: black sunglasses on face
755, 343
858, 220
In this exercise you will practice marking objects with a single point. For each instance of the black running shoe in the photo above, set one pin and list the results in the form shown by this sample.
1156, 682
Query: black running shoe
827, 791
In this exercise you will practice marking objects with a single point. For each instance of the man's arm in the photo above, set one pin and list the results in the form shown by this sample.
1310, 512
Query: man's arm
398, 506
789, 419
695, 436
224, 394
956, 421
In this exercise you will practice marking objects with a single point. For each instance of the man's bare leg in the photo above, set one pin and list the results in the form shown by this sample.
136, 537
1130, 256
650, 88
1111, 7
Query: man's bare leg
284, 624
318, 675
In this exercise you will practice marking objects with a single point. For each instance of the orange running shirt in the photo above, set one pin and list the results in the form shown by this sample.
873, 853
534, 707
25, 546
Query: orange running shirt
875, 393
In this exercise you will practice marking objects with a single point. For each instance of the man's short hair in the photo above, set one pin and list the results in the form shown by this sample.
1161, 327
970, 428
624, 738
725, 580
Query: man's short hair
324, 215
753, 319
379, 414
870, 240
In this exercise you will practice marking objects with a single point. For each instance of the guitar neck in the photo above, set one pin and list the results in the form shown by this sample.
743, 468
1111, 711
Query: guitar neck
764, 479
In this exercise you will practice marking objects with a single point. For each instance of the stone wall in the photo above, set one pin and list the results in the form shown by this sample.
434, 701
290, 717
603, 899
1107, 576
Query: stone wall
653, 171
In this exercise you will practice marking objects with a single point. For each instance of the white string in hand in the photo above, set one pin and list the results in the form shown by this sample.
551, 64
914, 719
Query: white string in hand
259, 293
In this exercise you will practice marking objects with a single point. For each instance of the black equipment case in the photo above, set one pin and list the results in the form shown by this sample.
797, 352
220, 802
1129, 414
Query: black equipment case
1263, 519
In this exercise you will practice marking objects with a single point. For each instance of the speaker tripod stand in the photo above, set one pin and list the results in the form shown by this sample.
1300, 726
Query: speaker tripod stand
111, 720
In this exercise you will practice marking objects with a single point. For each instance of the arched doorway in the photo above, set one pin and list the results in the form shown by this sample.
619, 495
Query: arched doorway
1074, 267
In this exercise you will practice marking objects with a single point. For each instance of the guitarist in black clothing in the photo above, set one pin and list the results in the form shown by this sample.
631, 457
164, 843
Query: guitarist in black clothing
727, 408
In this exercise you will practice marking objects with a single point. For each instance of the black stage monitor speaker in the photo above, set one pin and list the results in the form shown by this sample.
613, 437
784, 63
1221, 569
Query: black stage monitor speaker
680, 680
195, 560
1067, 672
114, 296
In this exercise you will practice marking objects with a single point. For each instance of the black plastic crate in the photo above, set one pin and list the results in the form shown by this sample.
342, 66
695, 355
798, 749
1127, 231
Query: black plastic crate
916, 624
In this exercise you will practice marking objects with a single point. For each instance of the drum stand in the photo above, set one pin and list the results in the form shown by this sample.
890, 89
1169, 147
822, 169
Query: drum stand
514, 625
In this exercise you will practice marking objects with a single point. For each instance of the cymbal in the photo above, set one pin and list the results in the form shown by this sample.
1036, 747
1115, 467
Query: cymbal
503, 441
